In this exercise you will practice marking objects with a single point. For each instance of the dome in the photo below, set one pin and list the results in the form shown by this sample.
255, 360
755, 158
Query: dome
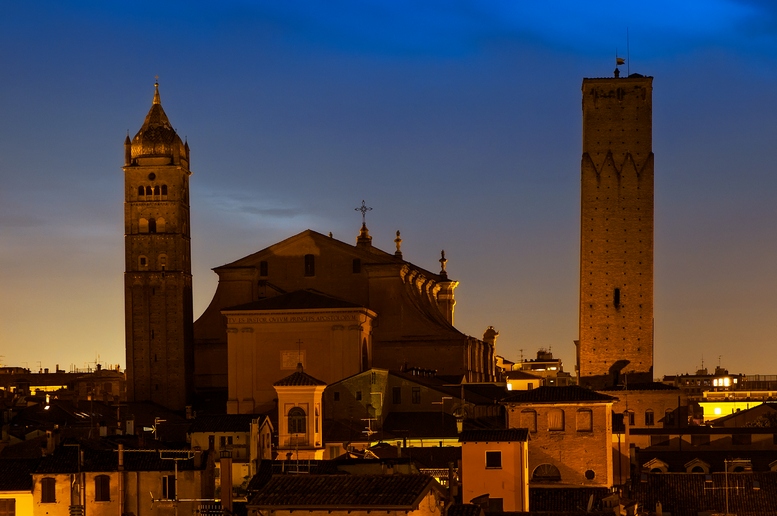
157, 137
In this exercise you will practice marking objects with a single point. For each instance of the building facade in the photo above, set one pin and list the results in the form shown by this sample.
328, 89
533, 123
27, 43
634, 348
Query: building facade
616, 232
157, 278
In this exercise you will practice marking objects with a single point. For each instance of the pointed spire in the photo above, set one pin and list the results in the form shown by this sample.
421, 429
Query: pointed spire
398, 242
157, 100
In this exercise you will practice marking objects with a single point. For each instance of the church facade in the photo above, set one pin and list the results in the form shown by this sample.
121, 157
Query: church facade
338, 309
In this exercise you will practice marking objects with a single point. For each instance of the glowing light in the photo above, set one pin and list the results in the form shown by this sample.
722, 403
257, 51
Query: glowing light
718, 411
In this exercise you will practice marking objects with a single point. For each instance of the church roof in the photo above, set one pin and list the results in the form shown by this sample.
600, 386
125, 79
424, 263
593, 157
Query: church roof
298, 378
157, 137
308, 299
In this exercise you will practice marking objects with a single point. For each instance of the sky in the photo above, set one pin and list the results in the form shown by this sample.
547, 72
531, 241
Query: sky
458, 122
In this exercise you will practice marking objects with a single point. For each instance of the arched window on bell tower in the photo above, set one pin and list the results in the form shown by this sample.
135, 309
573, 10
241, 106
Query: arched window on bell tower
297, 420
152, 225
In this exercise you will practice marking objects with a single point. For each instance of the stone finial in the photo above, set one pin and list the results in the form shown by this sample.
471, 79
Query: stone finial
398, 242
443, 261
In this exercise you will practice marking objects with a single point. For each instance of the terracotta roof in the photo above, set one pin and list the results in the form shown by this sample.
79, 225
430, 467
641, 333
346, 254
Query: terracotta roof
508, 434
298, 378
16, 474
570, 393
308, 299
224, 423
311, 492
465, 509
642, 386
269, 468
688, 494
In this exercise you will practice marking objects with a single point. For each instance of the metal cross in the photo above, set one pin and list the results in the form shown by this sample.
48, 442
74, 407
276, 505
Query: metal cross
364, 209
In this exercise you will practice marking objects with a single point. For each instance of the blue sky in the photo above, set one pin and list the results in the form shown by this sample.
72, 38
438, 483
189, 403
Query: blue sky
459, 122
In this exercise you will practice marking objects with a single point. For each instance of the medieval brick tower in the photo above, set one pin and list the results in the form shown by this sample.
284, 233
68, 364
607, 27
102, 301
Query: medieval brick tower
616, 232
158, 278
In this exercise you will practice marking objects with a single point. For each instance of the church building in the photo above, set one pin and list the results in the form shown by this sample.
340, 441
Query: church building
157, 278
338, 309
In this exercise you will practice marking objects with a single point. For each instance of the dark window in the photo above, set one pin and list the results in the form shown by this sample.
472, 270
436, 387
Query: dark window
337, 395
8, 507
629, 417
616, 298
263, 268
48, 490
143, 261
741, 439
297, 421
357, 265
102, 488
669, 418
416, 395
546, 473
310, 265
156, 190
225, 441
141, 190
152, 225
149, 191
358, 395
494, 459
529, 420
649, 419
164, 189
585, 421
396, 395
168, 487
590, 474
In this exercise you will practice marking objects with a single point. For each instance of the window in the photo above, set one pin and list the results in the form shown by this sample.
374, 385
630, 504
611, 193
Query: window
8, 507
336, 395
156, 190
149, 191
143, 225
168, 487
141, 190
297, 421
493, 460
164, 189
669, 418
555, 420
416, 395
263, 268
585, 420
152, 225
358, 395
48, 491
590, 474
102, 488
310, 265
142, 261
616, 298
546, 473
225, 441
160, 225
357, 265
529, 420
629, 417
396, 395
649, 418
162, 262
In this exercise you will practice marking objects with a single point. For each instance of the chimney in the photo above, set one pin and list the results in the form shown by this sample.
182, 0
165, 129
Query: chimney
226, 481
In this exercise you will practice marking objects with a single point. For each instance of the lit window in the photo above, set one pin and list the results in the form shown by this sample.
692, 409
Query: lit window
8, 507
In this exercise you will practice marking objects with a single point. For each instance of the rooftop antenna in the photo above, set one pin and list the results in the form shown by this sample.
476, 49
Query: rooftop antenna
628, 54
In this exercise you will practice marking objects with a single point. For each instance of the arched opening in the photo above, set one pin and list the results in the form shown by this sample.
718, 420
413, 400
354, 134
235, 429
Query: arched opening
141, 190
297, 421
102, 488
546, 473
164, 189
160, 225
152, 225
143, 225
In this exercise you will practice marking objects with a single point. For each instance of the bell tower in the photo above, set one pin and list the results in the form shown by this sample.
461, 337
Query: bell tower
157, 278
616, 232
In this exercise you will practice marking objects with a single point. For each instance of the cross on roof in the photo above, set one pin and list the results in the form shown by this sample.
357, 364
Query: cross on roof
364, 209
